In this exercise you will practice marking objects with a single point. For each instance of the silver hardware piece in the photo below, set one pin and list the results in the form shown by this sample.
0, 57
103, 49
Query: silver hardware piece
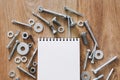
25, 35
73, 11
55, 21
99, 77
69, 26
31, 22
17, 60
10, 34
21, 23
34, 64
13, 39
32, 70
61, 29
38, 27
99, 54
54, 31
24, 59
110, 73
72, 23
17, 78
13, 50
108, 62
85, 75
23, 48
30, 45
80, 23
12, 74
86, 58
30, 61
29, 74
84, 38
41, 9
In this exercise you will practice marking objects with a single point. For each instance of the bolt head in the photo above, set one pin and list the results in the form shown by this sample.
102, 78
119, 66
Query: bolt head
54, 19
40, 9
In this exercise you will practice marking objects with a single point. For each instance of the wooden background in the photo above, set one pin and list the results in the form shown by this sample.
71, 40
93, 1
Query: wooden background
103, 16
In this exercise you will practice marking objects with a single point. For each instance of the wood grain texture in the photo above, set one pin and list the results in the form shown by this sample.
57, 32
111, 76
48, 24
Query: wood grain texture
103, 16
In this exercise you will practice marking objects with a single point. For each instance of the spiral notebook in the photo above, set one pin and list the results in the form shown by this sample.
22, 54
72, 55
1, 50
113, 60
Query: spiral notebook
58, 59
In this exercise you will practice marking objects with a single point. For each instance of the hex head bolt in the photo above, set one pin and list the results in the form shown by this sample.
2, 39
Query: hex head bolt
21, 23
13, 50
99, 77
54, 31
73, 11
110, 73
41, 9
12, 40
84, 38
30, 61
108, 62
29, 74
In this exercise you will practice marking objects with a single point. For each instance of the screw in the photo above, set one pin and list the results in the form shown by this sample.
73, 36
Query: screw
13, 39
110, 73
72, 23
13, 50
41, 9
20, 68
99, 68
99, 77
69, 25
85, 62
73, 11
84, 38
28, 65
55, 21
21, 23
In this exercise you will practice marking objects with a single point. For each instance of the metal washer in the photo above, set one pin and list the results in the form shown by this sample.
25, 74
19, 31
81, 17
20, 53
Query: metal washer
10, 34
80, 23
38, 27
24, 59
60, 29
85, 75
23, 48
99, 54
17, 59
31, 22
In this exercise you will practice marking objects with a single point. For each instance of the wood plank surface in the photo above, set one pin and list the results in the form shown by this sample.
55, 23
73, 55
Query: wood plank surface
103, 16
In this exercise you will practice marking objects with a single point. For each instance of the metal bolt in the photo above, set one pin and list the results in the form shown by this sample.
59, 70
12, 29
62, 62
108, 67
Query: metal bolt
84, 38
85, 62
73, 11
21, 23
99, 77
69, 25
41, 9
108, 62
13, 39
20, 68
30, 61
110, 73
55, 21
72, 23
13, 50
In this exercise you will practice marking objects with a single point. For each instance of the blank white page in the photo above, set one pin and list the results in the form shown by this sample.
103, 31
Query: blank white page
58, 59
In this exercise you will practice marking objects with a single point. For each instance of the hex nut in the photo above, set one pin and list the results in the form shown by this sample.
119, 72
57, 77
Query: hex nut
34, 64
17, 60
99, 54
31, 22
10, 34
38, 27
12, 74
25, 35
24, 59
32, 70
80, 23
61, 29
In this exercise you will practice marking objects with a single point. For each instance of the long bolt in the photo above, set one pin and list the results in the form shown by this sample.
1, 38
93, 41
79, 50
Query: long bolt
30, 61
99, 77
13, 50
20, 68
84, 38
21, 23
85, 62
108, 62
73, 11
110, 73
13, 39
41, 9
69, 26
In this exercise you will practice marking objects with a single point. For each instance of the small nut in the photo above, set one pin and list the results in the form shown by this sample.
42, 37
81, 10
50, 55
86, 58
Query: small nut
80, 23
12, 74
32, 70
25, 35
10, 34
60, 29
31, 22
24, 59
34, 64
17, 60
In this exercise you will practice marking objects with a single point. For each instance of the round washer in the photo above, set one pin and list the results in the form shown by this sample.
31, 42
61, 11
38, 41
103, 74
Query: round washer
12, 74
80, 23
23, 48
85, 75
25, 35
99, 54
17, 59
38, 27
34, 64
32, 70
31, 22
10, 34
24, 59
61, 29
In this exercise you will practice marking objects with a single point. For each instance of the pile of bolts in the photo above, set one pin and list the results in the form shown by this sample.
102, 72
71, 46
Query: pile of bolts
24, 48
